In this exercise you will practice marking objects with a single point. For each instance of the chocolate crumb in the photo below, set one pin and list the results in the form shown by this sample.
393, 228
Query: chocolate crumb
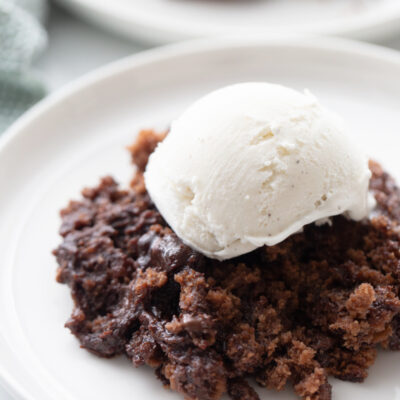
317, 304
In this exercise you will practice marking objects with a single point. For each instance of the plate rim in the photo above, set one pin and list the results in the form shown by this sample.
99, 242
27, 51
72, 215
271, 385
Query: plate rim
202, 45
159, 31
148, 57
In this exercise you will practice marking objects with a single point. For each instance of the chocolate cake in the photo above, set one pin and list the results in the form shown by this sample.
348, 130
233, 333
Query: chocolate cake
318, 304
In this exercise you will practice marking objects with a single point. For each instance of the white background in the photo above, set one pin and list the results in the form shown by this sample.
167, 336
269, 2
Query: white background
76, 48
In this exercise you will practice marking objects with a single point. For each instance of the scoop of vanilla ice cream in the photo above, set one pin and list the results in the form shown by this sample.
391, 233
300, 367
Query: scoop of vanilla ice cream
250, 164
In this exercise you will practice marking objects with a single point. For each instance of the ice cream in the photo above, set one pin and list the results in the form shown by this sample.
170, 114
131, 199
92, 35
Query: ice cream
250, 164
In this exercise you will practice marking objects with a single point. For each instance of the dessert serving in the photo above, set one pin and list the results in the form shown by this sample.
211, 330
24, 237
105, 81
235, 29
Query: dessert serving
256, 243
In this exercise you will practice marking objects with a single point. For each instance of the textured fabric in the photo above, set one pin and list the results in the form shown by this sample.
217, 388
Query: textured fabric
22, 38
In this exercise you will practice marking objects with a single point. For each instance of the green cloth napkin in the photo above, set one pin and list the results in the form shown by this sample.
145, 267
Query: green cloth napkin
22, 38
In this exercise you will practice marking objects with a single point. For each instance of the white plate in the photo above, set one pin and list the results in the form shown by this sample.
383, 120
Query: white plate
72, 138
164, 21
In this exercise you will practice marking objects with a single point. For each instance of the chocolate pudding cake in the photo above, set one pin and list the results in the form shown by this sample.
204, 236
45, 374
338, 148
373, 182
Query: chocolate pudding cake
318, 304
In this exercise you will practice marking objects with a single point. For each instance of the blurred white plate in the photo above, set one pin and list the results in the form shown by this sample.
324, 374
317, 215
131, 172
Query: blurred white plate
162, 21
74, 137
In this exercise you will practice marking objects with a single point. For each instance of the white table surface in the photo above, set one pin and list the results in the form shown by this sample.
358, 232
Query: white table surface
76, 48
